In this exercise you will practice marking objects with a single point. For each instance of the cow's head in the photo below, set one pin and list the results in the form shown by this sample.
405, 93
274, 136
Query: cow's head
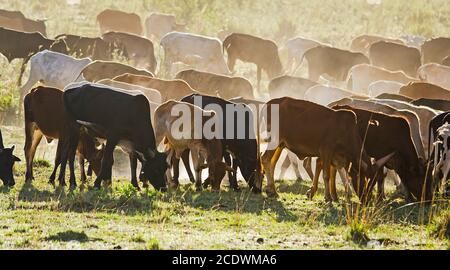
154, 168
7, 160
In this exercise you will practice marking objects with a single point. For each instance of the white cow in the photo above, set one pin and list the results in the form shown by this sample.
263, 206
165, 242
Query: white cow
184, 47
435, 74
361, 76
380, 87
53, 69
325, 95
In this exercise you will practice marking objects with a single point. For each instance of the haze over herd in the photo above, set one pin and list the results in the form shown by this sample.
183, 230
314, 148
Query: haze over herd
369, 110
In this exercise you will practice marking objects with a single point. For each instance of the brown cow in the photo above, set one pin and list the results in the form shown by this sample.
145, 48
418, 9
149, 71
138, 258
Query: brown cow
417, 90
81, 47
289, 86
362, 43
15, 20
332, 61
215, 84
393, 56
209, 150
116, 20
390, 134
44, 116
99, 70
304, 129
247, 48
169, 89
138, 49
434, 50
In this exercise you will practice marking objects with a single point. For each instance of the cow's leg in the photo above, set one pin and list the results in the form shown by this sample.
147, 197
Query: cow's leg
57, 162
72, 153
326, 177
231, 176
107, 162
258, 78
133, 167
176, 170
315, 182
33, 137
284, 167
348, 191
187, 165
82, 170
333, 192
269, 160
198, 162
294, 161
231, 61
307, 165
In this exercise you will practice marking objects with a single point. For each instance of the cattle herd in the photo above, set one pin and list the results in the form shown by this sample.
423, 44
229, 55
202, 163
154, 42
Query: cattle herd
380, 106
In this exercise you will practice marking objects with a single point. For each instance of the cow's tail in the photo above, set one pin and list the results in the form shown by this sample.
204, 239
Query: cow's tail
28, 112
22, 69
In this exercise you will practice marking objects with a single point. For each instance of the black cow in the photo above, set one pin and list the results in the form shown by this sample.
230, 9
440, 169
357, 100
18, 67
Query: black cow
121, 118
437, 104
243, 150
7, 160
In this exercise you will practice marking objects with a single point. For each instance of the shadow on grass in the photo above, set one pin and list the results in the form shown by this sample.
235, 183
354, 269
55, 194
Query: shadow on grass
233, 201
70, 235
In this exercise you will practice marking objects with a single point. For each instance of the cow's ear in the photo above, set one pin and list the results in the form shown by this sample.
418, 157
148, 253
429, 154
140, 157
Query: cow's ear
16, 159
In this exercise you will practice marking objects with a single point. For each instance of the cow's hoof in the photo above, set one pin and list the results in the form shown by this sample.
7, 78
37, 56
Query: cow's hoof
236, 189
271, 192
198, 188
174, 185
72, 187
309, 194
145, 184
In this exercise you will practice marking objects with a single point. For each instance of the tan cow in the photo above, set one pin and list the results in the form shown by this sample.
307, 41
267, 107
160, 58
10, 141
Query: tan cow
436, 74
362, 43
120, 21
215, 84
159, 24
99, 70
380, 87
209, 150
417, 90
361, 76
169, 89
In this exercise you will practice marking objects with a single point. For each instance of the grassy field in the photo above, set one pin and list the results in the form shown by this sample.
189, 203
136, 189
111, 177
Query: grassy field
40, 216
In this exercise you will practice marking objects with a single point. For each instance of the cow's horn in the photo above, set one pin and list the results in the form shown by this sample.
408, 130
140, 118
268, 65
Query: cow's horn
382, 161
95, 127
